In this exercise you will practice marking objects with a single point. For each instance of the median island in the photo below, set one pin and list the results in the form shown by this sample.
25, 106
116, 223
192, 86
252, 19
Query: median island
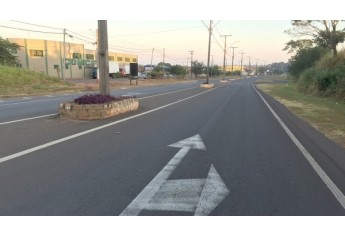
97, 106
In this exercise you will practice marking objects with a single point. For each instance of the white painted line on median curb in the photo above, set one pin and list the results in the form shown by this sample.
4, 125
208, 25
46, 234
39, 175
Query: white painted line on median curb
31, 118
22, 153
329, 183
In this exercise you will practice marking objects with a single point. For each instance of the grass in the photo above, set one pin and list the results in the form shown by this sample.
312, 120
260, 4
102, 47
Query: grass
21, 82
325, 114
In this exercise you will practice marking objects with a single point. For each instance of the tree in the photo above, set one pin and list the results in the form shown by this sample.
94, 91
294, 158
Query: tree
178, 70
6, 57
198, 68
304, 59
215, 70
294, 46
324, 33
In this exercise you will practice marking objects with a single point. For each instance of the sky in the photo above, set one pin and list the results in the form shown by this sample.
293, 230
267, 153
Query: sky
261, 40
170, 28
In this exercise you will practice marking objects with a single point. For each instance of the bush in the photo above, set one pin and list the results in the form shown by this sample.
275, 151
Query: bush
325, 82
98, 98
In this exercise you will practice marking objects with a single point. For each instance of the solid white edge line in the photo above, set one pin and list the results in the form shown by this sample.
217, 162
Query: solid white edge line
322, 174
18, 154
31, 118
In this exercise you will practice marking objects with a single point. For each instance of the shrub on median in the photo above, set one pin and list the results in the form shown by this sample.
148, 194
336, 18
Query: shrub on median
98, 99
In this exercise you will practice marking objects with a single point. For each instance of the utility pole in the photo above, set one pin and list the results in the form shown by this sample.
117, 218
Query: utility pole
163, 62
103, 58
209, 51
241, 60
224, 51
232, 62
256, 67
187, 66
151, 62
249, 66
191, 63
212, 65
64, 55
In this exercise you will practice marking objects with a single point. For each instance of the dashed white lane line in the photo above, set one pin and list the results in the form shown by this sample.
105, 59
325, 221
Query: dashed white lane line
322, 174
31, 118
30, 150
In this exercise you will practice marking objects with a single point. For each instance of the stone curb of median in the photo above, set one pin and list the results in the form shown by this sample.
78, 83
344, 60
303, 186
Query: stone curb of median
206, 85
76, 111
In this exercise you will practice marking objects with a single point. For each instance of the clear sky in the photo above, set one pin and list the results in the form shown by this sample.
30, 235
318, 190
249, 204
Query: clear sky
262, 40
136, 27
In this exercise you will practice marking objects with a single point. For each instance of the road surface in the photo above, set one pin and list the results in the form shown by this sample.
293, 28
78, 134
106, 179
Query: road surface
189, 151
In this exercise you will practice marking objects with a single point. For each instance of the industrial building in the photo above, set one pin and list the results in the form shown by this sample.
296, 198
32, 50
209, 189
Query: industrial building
63, 60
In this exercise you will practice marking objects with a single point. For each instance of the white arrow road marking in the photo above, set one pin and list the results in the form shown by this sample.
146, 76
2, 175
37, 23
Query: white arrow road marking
190, 195
193, 142
212, 194
151, 189
177, 195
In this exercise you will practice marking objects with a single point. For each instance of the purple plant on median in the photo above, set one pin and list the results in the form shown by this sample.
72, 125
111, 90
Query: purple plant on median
98, 99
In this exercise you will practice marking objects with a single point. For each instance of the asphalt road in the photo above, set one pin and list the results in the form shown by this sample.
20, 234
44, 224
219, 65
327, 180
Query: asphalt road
186, 151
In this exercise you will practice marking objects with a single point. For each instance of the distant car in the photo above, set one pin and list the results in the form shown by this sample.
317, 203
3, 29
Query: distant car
142, 75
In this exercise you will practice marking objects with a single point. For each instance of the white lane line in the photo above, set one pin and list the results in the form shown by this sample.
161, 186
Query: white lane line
31, 118
22, 153
9, 122
34, 101
322, 174
156, 95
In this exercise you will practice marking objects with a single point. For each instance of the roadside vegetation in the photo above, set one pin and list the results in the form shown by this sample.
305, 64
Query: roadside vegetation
317, 66
315, 86
16, 81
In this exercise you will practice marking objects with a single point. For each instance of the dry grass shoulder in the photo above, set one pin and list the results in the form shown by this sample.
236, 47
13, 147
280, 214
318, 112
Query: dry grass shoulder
325, 114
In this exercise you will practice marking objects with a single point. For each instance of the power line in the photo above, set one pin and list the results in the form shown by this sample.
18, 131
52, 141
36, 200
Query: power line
155, 32
80, 35
37, 31
37, 25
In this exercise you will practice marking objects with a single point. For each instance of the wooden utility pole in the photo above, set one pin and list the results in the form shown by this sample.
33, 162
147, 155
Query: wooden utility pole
232, 61
224, 51
163, 62
64, 55
209, 51
191, 63
241, 61
103, 60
